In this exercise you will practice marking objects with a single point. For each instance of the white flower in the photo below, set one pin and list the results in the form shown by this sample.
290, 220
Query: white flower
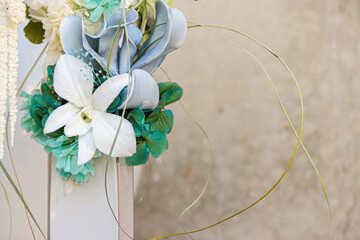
50, 13
85, 113
17, 11
37, 4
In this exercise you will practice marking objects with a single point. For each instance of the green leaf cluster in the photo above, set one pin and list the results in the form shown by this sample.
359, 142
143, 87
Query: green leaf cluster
151, 127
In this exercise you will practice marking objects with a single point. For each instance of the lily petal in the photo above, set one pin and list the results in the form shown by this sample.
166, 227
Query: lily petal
98, 45
60, 117
71, 30
108, 91
178, 30
144, 91
117, 16
166, 37
73, 81
105, 43
135, 38
87, 148
78, 126
104, 131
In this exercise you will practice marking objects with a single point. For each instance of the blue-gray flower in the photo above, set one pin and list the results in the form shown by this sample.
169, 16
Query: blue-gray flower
168, 34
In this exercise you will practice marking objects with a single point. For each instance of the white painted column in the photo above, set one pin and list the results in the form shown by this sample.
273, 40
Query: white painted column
81, 211
126, 200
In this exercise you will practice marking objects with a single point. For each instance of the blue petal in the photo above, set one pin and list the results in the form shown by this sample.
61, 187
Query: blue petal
135, 38
105, 43
144, 92
169, 35
117, 16
71, 31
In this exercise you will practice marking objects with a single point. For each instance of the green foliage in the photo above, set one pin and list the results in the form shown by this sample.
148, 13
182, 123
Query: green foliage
151, 128
34, 32
161, 121
146, 139
170, 92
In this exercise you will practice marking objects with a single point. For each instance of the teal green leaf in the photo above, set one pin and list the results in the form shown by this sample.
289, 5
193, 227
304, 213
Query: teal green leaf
157, 143
50, 71
161, 121
37, 115
34, 32
141, 156
137, 119
170, 92
115, 105
136, 116
49, 94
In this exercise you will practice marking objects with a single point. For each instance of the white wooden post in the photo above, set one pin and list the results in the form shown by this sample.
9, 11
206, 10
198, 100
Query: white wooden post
126, 200
81, 211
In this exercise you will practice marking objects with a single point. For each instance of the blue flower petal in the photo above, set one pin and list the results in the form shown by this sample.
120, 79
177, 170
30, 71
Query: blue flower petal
135, 38
71, 34
168, 35
144, 92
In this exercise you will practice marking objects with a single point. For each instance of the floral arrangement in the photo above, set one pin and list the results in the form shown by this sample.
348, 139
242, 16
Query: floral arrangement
98, 96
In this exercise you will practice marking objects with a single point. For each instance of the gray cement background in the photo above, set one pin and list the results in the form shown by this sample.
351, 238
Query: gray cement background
228, 94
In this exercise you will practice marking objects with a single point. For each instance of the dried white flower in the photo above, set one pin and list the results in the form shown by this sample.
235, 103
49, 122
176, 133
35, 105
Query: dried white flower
17, 14
17, 11
3, 70
50, 13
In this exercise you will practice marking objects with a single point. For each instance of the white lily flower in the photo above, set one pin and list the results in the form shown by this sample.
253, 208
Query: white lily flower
85, 113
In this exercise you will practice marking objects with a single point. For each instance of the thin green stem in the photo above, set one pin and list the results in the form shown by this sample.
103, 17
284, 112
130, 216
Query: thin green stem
18, 190
122, 116
15, 173
211, 164
20, 196
144, 13
289, 121
9, 206
32, 69
147, 47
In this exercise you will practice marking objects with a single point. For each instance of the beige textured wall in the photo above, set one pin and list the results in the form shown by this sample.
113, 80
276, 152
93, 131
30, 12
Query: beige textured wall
227, 92
229, 95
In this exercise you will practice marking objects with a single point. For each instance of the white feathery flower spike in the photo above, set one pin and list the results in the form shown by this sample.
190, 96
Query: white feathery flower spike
17, 14
12, 13
3, 71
